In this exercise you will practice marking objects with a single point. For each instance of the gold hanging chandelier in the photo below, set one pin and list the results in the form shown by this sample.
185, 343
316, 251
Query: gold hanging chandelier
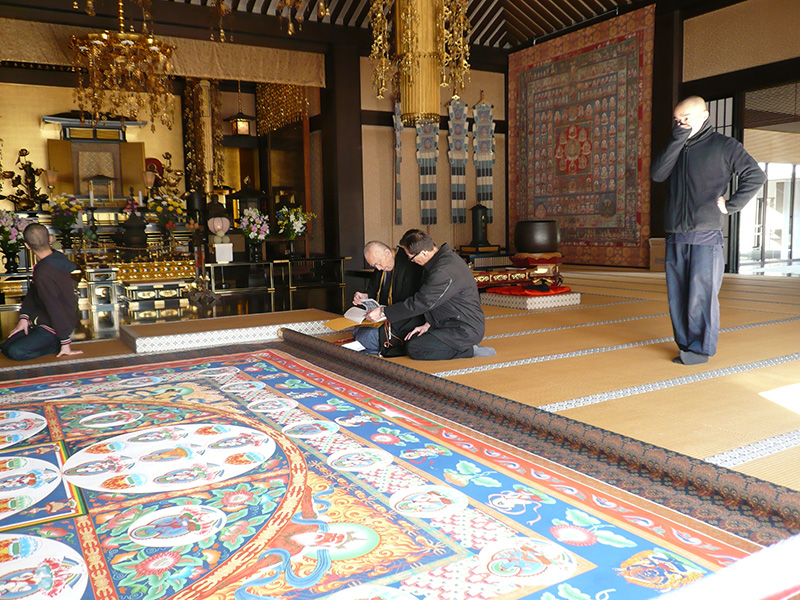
278, 105
120, 73
431, 49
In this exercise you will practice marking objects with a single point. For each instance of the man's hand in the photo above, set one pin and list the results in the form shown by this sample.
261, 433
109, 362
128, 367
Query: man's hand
376, 314
418, 330
721, 204
66, 350
681, 130
359, 297
22, 325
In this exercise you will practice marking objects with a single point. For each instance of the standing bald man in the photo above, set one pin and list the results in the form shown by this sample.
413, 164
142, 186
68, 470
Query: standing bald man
699, 163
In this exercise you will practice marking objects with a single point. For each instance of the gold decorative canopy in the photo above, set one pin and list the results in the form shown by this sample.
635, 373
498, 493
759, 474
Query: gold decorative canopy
119, 72
431, 49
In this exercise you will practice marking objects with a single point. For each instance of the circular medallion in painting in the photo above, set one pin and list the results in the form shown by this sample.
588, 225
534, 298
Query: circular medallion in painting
311, 429
428, 501
153, 461
37, 568
528, 561
272, 404
343, 541
136, 382
50, 393
358, 460
243, 387
112, 418
177, 526
17, 425
23, 482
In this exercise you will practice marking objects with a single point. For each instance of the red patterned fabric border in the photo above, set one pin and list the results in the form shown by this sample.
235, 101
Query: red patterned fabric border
579, 139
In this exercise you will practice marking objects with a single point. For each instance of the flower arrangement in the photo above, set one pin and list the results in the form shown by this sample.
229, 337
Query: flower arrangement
64, 211
293, 221
11, 228
168, 210
255, 224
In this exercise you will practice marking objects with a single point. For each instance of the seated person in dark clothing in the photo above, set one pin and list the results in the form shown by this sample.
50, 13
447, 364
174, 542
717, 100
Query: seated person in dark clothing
49, 310
395, 279
448, 299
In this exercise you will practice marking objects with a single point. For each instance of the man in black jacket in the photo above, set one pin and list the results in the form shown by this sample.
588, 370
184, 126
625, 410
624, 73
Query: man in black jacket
395, 279
49, 310
699, 163
449, 300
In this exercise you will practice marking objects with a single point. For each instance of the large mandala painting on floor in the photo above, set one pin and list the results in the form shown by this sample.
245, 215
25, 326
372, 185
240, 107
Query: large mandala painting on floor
260, 476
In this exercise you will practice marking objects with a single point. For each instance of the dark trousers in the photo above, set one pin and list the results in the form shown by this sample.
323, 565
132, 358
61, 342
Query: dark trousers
694, 277
428, 347
38, 342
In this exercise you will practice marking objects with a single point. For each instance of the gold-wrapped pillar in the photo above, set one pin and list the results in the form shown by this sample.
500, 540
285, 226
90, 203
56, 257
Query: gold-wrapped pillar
207, 134
418, 60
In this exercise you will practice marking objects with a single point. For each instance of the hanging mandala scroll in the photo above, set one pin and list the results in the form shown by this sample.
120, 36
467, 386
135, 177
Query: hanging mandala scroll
483, 139
427, 155
458, 154
398, 158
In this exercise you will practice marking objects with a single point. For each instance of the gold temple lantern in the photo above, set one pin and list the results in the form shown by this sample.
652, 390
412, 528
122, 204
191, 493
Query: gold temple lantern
431, 50
419, 66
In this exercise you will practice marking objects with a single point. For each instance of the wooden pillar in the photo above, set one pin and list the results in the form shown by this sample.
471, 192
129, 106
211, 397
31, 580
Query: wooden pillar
667, 77
307, 176
342, 170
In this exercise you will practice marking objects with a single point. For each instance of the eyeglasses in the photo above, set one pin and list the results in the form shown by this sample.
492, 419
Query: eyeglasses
411, 257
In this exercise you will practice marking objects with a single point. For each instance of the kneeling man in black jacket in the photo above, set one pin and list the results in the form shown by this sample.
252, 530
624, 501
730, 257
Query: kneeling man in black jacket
449, 300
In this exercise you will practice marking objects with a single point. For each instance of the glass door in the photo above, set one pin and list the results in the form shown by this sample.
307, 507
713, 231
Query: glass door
767, 238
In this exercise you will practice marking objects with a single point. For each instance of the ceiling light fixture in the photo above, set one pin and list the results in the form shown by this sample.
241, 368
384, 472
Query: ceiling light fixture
121, 72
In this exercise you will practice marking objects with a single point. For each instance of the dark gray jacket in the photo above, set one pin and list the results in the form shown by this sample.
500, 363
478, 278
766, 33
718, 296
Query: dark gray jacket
449, 299
51, 302
699, 170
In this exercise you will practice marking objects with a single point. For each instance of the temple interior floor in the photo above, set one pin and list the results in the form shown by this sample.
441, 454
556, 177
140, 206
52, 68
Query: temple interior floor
608, 362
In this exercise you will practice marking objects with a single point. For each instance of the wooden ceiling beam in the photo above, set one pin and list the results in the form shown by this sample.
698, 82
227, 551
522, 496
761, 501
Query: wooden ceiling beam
517, 33
479, 21
495, 39
566, 10
335, 7
544, 12
356, 9
534, 23
477, 37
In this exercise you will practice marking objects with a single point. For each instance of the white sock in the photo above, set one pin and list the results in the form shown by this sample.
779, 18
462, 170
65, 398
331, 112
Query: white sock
483, 351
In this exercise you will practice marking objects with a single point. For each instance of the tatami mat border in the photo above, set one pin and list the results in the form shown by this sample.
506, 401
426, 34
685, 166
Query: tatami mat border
668, 383
708, 480
592, 324
549, 357
759, 449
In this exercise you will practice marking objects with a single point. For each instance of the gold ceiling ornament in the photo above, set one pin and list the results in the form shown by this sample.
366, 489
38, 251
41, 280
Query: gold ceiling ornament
278, 105
119, 72
379, 54
221, 10
453, 36
431, 39
290, 11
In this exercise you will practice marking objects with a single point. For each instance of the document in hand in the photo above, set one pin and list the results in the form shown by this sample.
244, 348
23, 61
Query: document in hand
355, 316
